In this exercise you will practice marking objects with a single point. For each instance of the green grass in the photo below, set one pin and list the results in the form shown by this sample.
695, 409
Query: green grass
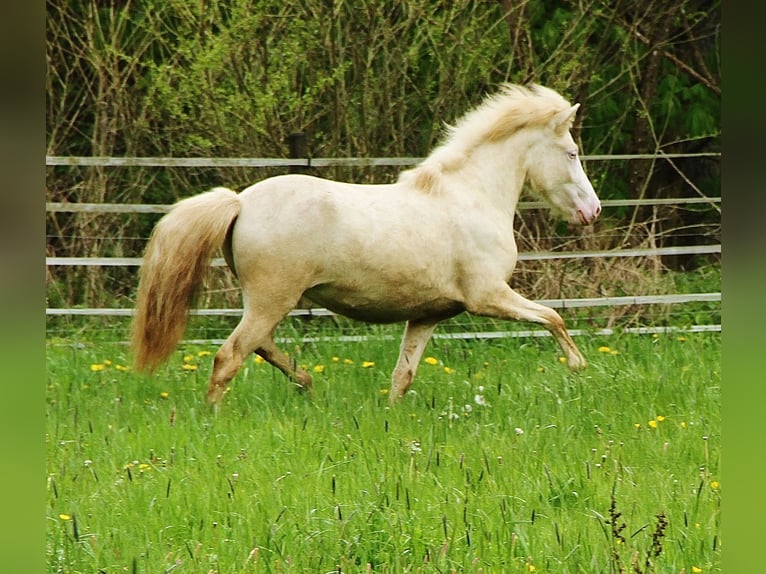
143, 477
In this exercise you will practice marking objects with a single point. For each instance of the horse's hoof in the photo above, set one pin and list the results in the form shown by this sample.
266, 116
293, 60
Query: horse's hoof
214, 398
577, 364
304, 389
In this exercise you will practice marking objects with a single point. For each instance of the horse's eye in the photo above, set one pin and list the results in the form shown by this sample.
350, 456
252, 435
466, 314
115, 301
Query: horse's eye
572, 154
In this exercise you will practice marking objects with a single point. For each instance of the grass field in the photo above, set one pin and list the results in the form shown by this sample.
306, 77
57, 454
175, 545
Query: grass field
499, 461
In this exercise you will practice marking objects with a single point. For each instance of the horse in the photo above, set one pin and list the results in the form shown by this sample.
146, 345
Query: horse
437, 242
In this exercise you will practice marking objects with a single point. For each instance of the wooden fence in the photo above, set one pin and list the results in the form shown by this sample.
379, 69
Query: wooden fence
292, 163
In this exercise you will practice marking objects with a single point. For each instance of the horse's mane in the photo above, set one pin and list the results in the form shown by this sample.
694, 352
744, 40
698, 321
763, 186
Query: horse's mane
500, 115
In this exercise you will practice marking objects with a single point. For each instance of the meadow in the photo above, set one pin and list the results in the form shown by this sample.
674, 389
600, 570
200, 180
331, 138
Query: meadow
498, 460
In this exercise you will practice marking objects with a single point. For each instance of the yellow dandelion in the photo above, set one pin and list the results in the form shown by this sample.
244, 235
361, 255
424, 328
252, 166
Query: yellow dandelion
681, 339
653, 423
348, 362
319, 368
683, 424
188, 358
97, 367
562, 359
531, 568
164, 394
540, 369
696, 570
107, 362
203, 354
655, 335
604, 349
368, 364
122, 368
189, 367
637, 425
660, 418
259, 360
431, 360
614, 352
65, 517
336, 359
715, 485
143, 466
383, 392
449, 370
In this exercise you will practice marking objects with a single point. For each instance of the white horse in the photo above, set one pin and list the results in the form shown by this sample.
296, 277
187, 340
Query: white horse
436, 243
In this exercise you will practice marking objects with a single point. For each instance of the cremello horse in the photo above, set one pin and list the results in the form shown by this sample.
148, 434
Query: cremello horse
436, 243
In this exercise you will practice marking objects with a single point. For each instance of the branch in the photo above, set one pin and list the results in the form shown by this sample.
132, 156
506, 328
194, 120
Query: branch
688, 69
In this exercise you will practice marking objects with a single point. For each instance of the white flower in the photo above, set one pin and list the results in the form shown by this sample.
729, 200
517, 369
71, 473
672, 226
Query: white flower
480, 400
518, 430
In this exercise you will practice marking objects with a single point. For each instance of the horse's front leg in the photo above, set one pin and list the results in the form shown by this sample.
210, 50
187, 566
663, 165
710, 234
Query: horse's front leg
416, 337
505, 303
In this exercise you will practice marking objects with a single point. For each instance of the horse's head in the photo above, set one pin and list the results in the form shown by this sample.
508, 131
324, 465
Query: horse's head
555, 171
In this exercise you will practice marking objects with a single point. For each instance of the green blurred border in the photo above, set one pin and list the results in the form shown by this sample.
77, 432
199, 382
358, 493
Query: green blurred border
22, 285
744, 286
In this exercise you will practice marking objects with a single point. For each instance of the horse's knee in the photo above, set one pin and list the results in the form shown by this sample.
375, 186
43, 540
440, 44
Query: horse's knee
555, 321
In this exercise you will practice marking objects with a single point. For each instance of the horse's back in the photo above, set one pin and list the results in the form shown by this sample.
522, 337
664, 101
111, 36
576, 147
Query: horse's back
297, 205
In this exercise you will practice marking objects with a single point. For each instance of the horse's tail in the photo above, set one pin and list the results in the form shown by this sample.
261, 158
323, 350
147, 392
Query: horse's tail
175, 261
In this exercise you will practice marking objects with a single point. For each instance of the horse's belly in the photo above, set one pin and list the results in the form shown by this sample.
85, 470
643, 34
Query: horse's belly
391, 308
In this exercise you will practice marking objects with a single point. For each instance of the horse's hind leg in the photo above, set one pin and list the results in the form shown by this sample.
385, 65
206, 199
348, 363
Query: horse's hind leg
254, 333
281, 361
416, 337
230, 356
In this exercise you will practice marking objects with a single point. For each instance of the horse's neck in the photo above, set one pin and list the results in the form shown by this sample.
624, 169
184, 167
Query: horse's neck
494, 174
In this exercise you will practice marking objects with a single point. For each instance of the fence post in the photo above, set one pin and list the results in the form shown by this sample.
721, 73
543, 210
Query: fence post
296, 143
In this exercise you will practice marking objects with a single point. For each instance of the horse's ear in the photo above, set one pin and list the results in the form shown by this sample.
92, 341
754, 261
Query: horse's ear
564, 120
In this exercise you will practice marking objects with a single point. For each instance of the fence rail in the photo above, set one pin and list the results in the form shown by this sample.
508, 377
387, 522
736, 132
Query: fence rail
66, 207
523, 256
113, 161
322, 312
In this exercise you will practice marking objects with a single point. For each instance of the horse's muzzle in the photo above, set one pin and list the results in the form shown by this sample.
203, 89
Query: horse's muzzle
589, 217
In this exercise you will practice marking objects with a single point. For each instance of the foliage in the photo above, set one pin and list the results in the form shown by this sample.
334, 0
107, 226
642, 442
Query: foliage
363, 79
